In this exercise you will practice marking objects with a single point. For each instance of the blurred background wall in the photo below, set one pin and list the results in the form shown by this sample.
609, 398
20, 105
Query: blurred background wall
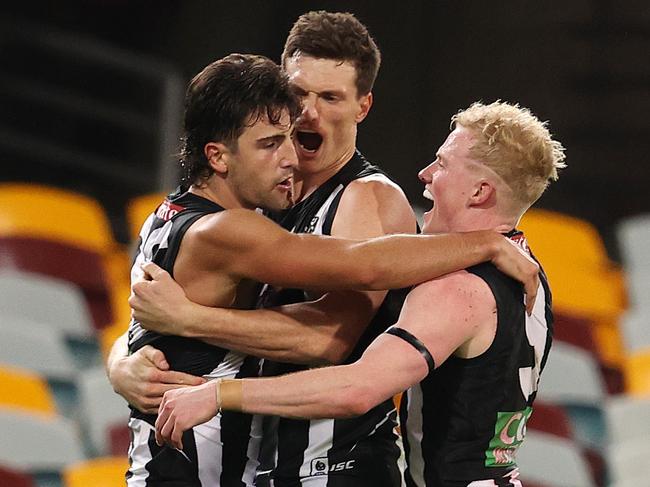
90, 90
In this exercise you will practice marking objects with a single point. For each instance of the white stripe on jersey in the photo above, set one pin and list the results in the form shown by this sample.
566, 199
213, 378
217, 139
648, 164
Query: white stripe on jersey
209, 450
139, 453
321, 431
319, 218
148, 239
415, 459
378, 425
228, 367
253, 451
321, 434
536, 332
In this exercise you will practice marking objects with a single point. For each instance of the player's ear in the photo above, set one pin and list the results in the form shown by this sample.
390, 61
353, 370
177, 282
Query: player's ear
365, 102
217, 155
482, 193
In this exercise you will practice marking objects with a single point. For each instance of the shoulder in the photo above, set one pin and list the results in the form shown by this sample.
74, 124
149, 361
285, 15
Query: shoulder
375, 187
459, 292
377, 201
450, 314
228, 227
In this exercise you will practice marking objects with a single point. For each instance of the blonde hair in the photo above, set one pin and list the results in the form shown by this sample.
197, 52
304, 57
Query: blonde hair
516, 145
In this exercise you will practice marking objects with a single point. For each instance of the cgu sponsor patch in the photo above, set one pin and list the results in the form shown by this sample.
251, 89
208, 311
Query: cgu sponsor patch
509, 432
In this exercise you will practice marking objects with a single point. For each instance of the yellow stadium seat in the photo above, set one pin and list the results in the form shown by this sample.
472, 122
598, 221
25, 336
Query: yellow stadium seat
45, 227
609, 341
637, 373
139, 209
584, 281
583, 278
98, 472
37, 211
25, 390
551, 232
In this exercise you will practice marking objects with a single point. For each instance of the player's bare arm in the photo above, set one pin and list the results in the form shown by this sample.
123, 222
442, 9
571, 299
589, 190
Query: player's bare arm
319, 332
369, 207
450, 323
151, 303
246, 244
142, 378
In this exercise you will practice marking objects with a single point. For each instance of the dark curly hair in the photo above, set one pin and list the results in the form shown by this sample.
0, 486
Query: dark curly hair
226, 97
339, 36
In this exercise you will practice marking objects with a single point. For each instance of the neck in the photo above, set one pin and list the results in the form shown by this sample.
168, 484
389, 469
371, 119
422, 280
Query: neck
308, 182
477, 219
216, 190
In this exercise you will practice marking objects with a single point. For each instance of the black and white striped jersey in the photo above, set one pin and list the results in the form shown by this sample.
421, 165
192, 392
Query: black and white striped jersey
359, 451
230, 442
465, 421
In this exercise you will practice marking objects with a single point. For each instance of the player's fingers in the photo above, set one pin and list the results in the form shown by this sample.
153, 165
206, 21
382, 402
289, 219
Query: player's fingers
177, 435
152, 394
531, 294
156, 357
137, 289
159, 438
149, 405
181, 379
154, 272
160, 424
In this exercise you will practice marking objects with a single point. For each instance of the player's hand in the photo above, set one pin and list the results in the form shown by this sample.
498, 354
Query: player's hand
512, 260
183, 409
158, 302
143, 378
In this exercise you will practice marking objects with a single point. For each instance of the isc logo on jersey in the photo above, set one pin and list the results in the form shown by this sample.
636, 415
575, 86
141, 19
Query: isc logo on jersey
321, 466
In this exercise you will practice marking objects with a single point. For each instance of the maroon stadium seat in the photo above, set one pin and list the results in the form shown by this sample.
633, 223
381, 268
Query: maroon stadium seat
56, 259
550, 419
14, 478
119, 437
580, 332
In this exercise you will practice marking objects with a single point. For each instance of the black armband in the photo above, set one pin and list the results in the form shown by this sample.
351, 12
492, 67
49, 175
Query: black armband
415, 343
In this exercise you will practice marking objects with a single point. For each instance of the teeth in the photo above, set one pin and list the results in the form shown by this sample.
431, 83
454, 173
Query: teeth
427, 194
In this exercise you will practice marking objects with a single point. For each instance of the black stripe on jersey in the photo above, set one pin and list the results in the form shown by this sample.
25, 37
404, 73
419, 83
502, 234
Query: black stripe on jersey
235, 445
415, 343
170, 467
372, 457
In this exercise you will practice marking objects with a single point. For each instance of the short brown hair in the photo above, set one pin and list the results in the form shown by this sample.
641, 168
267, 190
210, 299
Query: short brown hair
516, 145
339, 36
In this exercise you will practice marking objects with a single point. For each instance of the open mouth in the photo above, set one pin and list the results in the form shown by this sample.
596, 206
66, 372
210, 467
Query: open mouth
309, 141
427, 194
286, 184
